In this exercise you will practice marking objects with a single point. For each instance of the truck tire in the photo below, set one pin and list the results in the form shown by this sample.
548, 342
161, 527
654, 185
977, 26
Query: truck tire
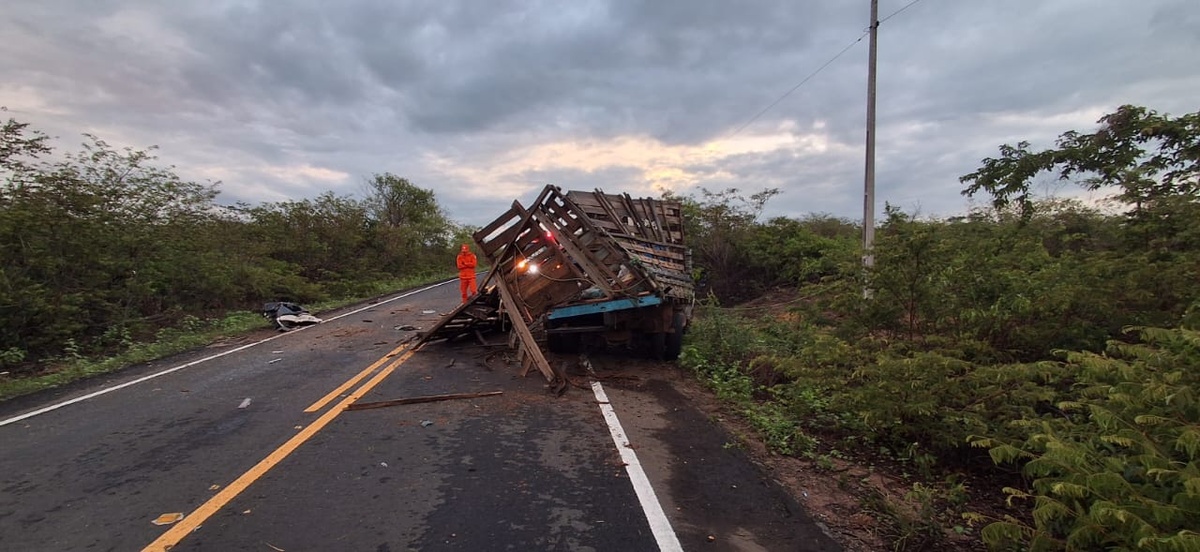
674, 340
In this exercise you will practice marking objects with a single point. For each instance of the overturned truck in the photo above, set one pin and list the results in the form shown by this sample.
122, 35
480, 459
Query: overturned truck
580, 271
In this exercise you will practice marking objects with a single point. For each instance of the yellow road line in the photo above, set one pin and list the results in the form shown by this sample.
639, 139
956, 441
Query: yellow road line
218, 501
350, 382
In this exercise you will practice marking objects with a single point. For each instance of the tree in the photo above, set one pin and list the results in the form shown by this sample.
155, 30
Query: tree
411, 227
718, 228
92, 244
1153, 161
1151, 158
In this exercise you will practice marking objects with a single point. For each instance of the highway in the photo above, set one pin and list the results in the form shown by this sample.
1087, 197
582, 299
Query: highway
247, 445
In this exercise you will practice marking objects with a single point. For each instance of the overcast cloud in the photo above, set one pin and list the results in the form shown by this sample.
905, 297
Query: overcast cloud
487, 101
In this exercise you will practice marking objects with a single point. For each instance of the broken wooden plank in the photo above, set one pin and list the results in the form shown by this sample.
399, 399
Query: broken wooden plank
424, 399
521, 331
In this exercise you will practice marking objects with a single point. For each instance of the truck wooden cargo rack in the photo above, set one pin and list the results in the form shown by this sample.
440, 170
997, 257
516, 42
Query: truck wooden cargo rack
575, 256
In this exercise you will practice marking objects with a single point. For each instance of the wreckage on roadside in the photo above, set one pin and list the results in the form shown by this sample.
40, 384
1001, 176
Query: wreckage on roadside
580, 271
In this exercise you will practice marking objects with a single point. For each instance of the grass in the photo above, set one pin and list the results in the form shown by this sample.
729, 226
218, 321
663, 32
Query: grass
191, 333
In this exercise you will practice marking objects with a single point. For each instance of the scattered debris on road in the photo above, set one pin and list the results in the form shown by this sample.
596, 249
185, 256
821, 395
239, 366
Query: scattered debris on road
423, 399
245, 403
287, 316
426, 423
167, 519
274, 361
406, 328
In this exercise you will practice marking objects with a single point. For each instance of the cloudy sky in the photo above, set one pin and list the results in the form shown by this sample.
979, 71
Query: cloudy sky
486, 101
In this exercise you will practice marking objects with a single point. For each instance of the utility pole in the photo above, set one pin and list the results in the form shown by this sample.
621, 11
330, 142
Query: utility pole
869, 180
869, 176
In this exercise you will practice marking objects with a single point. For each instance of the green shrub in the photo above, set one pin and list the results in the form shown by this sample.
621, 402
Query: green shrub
1119, 469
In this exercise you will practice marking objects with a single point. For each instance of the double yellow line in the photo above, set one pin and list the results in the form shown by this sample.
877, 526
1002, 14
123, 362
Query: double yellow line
231, 491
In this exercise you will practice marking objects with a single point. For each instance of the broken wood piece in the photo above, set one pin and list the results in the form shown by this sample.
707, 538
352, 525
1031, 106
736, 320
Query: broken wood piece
424, 399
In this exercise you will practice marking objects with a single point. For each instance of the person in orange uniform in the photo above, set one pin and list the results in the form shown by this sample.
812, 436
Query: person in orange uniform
466, 272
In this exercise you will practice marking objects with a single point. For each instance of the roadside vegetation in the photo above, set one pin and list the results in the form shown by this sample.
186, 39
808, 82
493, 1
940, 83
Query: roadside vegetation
1030, 369
109, 259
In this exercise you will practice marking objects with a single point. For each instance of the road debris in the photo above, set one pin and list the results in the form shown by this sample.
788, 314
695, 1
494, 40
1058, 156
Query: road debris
426, 423
429, 311
245, 403
274, 361
406, 328
423, 399
167, 519
273, 547
213, 487
287, 316
384, 464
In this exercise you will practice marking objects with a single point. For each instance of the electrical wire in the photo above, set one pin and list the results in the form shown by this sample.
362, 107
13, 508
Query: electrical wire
794, 88
897, 12
819, 69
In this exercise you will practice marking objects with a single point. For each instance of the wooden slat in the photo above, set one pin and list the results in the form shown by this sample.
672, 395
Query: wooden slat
526, 362
598, 272
638, 223
496, 224
444, 322
521, 330
668, 252
659, 221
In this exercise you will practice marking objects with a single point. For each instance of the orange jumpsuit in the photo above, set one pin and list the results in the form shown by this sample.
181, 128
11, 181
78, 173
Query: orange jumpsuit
466, 272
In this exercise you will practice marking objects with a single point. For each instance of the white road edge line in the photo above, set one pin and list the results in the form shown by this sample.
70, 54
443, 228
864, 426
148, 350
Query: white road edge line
659, 524
44, 410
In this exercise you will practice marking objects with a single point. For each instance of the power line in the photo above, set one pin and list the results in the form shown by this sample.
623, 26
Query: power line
819, 69
794, 88
897, 12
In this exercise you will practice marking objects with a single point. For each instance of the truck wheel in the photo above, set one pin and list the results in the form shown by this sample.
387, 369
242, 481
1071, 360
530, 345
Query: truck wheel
674, 340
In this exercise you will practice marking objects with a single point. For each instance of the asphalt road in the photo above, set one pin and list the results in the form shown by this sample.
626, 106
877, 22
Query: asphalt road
255, 450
